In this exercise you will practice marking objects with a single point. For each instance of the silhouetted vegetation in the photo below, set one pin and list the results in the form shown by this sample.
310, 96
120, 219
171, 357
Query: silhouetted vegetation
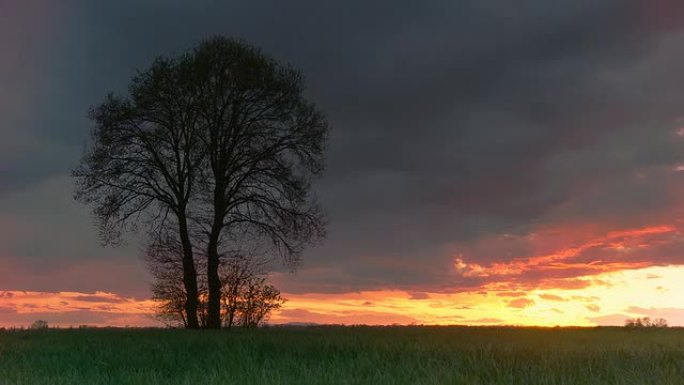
213, 150
39, 325
247, 300
646, 322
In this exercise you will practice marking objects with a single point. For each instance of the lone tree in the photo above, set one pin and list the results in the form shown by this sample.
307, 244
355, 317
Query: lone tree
220, 143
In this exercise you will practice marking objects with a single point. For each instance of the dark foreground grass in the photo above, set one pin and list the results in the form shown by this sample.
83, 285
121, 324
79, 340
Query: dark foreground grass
336, 355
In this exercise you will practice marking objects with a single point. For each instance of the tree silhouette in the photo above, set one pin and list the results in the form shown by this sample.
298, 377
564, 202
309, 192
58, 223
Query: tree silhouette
164, 258
263, 143
247, 300
143, 163
39, 325
256, 301
215, 145
646, 322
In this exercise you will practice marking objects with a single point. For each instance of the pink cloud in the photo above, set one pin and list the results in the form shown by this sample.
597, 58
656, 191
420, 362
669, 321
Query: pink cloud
520, 303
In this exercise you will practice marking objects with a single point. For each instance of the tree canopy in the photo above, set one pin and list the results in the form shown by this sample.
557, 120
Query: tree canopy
212, 148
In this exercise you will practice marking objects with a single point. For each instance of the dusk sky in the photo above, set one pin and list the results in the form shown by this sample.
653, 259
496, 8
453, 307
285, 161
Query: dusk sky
490, 162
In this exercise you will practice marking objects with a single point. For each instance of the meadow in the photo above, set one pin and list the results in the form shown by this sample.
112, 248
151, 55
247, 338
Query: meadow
344, 355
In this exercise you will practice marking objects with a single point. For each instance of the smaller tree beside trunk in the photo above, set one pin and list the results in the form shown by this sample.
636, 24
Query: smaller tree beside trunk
247, 299
256, 302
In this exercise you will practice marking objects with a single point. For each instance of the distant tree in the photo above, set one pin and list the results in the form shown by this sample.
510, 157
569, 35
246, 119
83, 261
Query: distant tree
646, 322
660, 323
39, 325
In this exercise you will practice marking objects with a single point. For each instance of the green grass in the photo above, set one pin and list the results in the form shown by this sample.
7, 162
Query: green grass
336, 355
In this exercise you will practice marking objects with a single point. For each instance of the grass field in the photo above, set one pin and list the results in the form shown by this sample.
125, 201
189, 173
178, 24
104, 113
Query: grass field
337, 355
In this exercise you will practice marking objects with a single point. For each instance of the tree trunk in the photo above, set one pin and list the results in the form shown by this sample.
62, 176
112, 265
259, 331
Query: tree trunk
213, 279
189, 275
232, 304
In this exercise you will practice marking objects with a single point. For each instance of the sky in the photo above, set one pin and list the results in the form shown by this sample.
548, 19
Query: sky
489, 162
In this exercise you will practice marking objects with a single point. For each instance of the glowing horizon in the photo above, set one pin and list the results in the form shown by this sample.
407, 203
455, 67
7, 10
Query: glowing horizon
608, 299
518, 291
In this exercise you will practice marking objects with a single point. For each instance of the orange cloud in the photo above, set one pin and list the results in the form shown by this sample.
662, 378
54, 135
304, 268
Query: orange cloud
19, 308
552, 297
511, 294
520, 303
598, 285
564, 259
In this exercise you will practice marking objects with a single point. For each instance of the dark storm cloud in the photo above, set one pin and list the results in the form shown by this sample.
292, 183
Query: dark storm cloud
451, 121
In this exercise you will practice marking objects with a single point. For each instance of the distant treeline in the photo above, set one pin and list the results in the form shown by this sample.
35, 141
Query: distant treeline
646, 322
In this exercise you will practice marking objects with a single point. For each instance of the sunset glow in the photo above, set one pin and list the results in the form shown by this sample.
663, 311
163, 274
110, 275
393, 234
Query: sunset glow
606, 293
579, 277
607, 299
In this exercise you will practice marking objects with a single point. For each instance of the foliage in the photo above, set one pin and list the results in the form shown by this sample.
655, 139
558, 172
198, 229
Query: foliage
247, 300
143, 163
339, 355
208, 147
262, 143
646, 322
255, 303
39, 325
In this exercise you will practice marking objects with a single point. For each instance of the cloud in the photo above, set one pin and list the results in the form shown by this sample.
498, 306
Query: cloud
99, 298
552, 297
487, 320
348, 318
528, 144
584, 298
72, 308
419, 295
520, 303
49, 243
672, 314
617, 319
83, 316
512, 294
581, 254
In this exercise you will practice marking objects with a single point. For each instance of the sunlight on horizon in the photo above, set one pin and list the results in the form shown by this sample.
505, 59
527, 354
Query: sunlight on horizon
609, 299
